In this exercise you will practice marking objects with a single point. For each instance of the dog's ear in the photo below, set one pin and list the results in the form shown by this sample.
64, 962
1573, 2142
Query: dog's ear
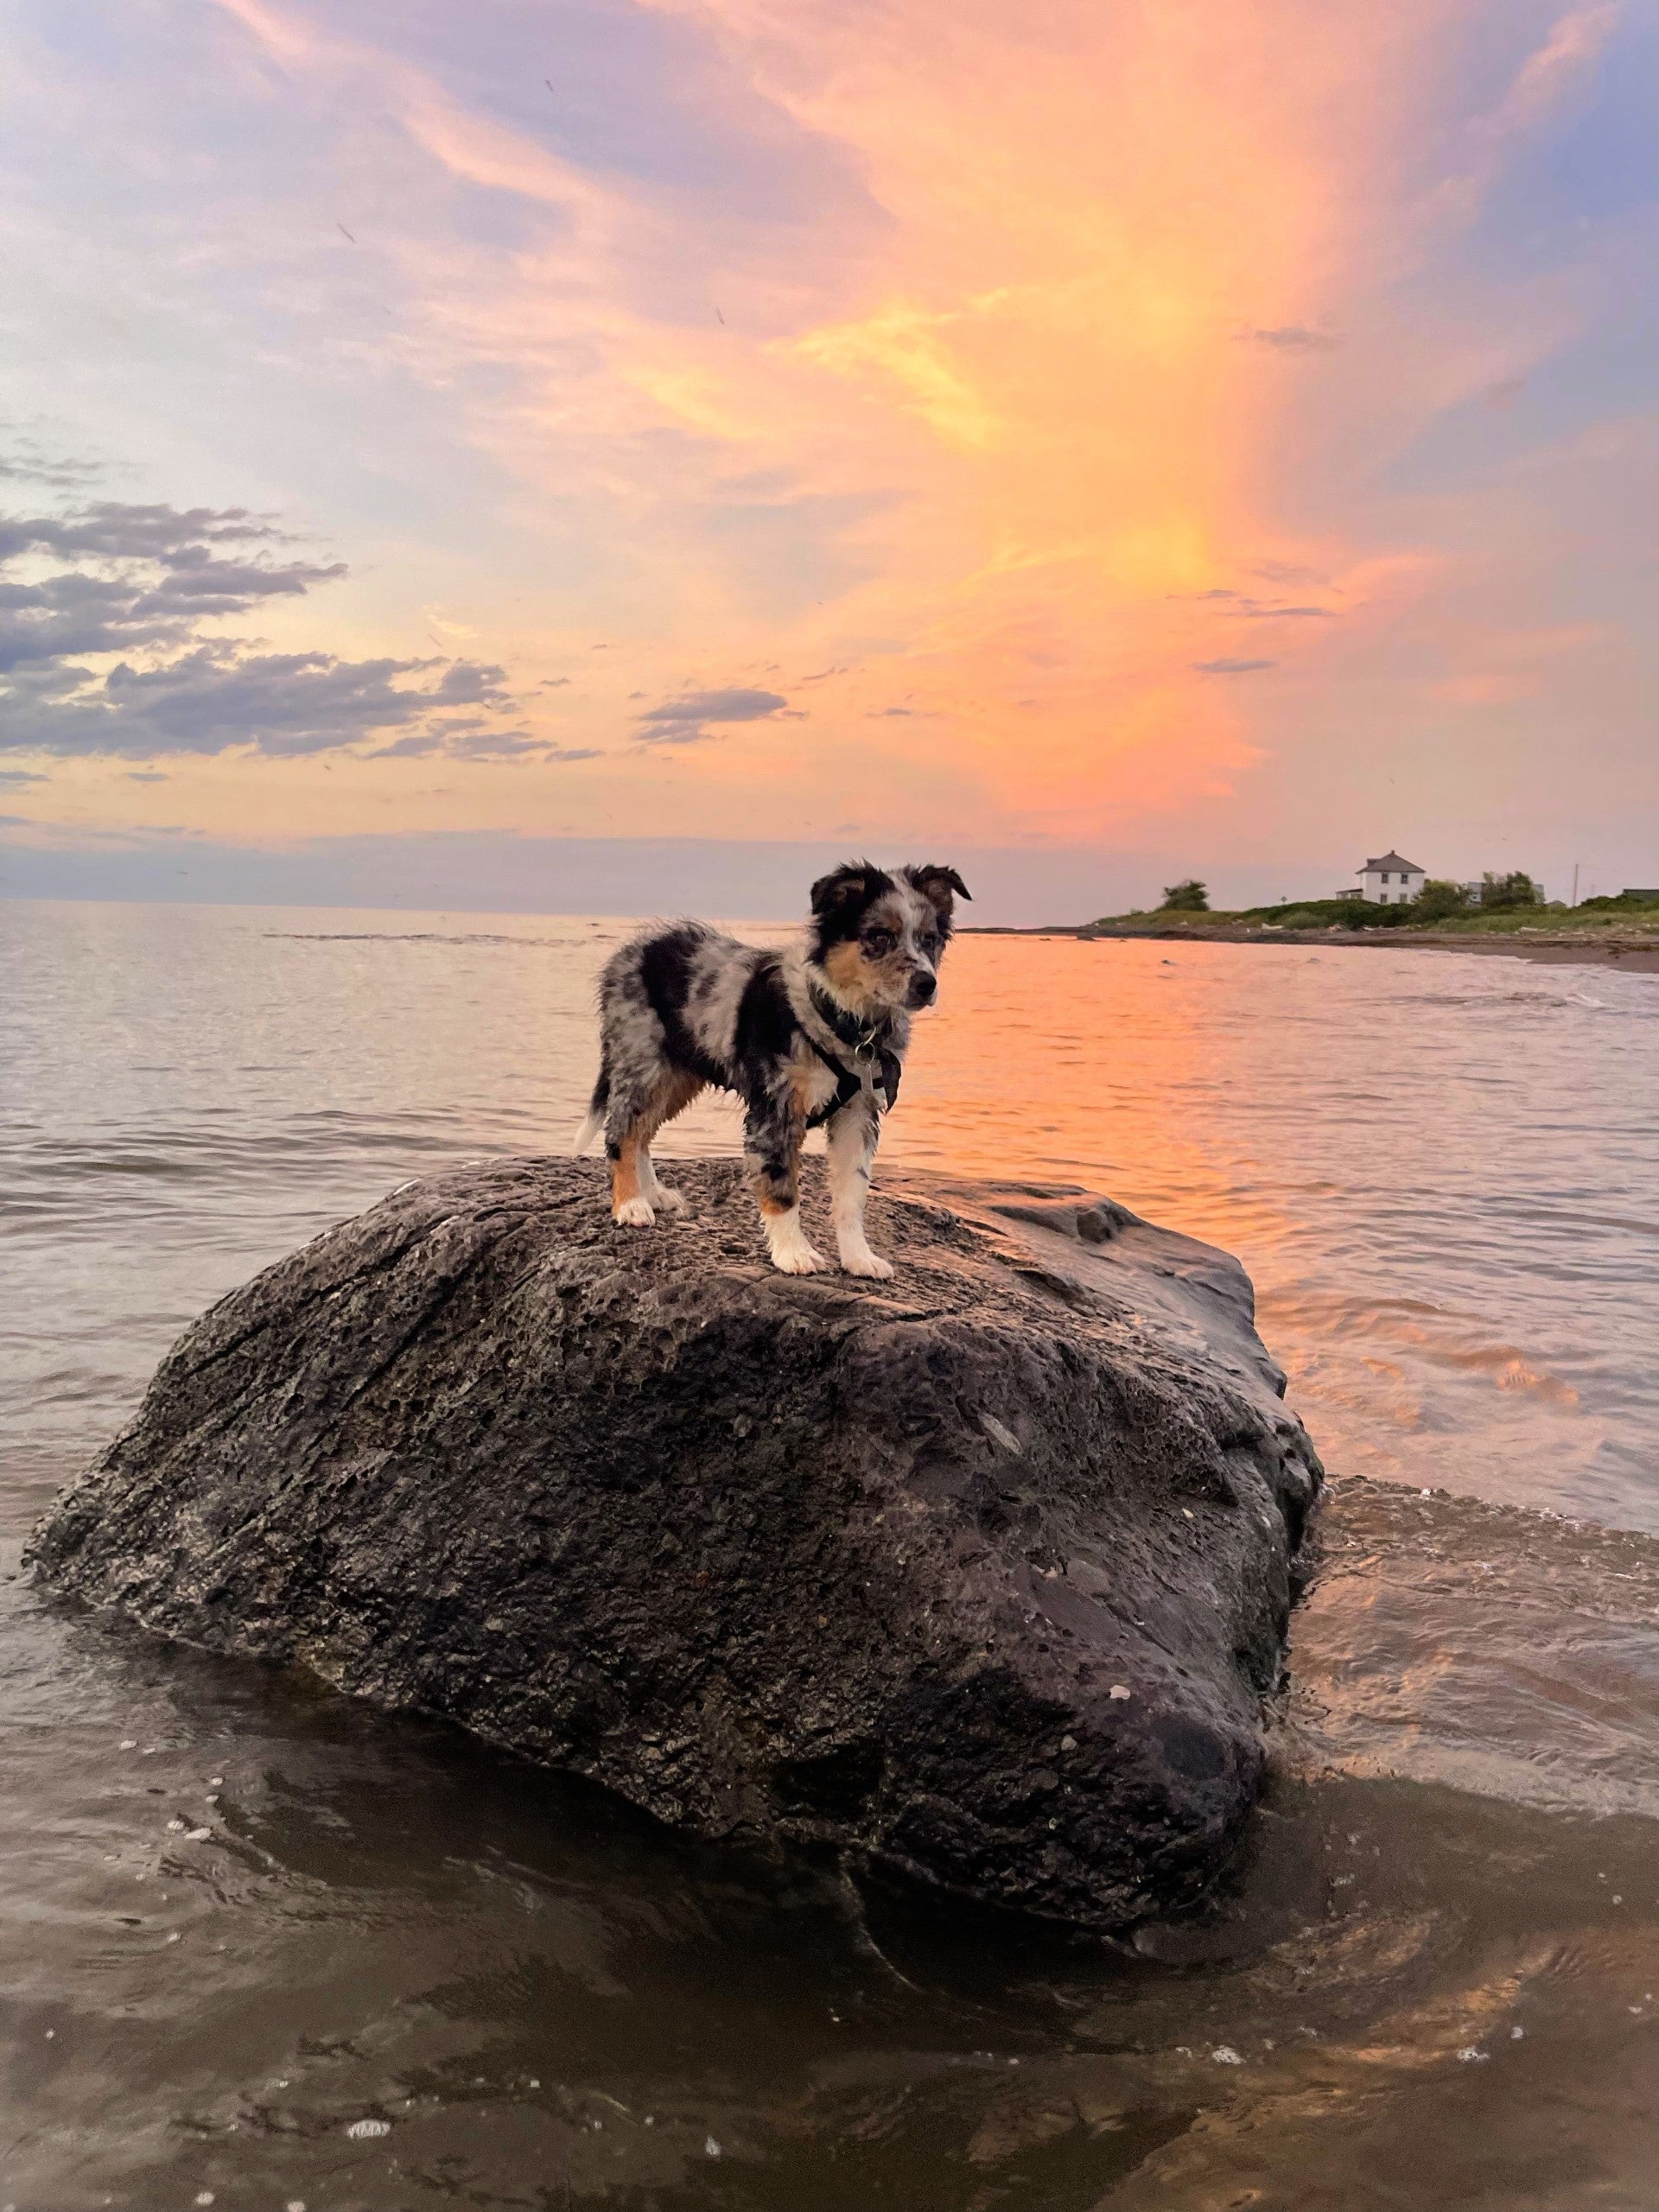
937, 883
844, 886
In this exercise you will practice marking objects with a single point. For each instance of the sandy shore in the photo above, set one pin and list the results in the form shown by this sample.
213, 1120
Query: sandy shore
1637, 955
1564, 951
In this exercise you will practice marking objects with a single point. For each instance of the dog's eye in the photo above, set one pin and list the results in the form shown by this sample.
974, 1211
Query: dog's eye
929, 944
880, 942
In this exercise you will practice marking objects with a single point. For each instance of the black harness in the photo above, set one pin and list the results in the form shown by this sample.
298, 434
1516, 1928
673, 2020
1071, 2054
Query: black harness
866, 1040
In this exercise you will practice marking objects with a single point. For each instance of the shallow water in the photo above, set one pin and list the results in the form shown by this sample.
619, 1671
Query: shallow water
242, 1915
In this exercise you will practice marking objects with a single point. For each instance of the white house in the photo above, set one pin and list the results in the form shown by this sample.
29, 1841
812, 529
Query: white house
1391, 882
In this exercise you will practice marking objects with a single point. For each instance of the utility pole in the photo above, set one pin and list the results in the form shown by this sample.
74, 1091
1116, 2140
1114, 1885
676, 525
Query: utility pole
1574, 898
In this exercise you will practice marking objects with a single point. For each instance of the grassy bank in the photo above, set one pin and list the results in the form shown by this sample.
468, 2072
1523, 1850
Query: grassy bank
1351, 917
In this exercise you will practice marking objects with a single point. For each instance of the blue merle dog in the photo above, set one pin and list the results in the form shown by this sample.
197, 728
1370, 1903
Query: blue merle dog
809, 1035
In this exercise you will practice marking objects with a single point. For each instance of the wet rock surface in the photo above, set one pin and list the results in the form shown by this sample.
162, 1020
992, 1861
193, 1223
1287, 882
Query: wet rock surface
979, 1576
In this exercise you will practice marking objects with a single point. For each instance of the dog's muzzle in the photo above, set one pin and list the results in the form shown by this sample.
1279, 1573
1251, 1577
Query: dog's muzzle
924, 988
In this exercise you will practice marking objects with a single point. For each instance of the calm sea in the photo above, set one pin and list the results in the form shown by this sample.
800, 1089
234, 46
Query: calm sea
242, 1917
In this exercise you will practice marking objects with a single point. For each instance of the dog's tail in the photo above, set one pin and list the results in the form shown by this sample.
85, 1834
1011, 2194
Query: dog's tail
596, 1121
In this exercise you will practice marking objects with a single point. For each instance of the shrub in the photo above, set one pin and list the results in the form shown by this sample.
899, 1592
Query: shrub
1620, 902
1437, 900
1319, 913
1498, 892
1189, 897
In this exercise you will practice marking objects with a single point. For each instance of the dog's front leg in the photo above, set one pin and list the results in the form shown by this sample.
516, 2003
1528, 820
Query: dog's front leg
853, 1134
772, 1153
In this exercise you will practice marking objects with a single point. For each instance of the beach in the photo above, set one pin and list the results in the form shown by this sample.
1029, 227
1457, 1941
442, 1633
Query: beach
1634, 952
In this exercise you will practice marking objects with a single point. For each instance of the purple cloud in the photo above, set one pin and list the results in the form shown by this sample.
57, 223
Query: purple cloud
685, 720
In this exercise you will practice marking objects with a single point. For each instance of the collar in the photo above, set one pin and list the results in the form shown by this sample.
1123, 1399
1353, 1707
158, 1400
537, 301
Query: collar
861, 1037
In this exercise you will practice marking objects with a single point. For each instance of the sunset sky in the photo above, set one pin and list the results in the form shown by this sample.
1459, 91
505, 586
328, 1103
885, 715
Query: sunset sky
440, 442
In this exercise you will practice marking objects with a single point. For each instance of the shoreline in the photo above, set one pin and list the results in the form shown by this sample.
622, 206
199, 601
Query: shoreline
1633, 955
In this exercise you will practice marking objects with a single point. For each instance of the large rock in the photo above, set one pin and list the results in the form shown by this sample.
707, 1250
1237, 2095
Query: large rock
980, 1575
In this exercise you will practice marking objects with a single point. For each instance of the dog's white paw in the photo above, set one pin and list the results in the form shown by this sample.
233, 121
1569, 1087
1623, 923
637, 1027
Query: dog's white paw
792, 1255
787, 1243
867, 1263
799, 1260
634, 1213
673, 1200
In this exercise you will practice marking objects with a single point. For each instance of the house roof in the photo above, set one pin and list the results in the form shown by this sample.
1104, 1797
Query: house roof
1393, 861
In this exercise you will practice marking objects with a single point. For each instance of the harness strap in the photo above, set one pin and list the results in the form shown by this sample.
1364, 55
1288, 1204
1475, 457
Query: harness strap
850, 1083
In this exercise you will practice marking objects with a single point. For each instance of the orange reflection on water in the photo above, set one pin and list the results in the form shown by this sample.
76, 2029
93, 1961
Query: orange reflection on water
1100, 1063
1380, 1138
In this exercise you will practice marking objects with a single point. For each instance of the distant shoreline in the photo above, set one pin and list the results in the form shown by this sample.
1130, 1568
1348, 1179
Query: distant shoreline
1634, 956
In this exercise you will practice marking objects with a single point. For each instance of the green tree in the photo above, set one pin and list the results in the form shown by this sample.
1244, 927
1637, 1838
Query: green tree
1438, 899
1515, 889
1188, 897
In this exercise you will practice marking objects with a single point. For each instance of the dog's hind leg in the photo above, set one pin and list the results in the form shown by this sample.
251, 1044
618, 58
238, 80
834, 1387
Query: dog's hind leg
633, 1121
681, 1088
852, 1138
630, 1207
660, 1193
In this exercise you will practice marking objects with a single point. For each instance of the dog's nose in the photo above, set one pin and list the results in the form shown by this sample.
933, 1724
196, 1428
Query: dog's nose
924, 988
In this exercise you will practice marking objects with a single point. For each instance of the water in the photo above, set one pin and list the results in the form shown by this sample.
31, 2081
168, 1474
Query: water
1441, 1170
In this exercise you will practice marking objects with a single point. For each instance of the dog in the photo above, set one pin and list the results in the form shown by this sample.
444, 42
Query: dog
813, 1035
